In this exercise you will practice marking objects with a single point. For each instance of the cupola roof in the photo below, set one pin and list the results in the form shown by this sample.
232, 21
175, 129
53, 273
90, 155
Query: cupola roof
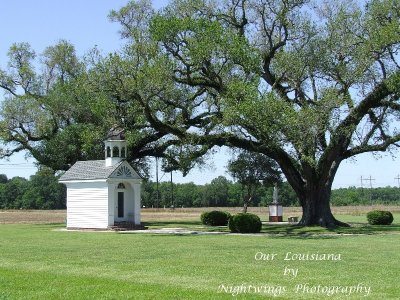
116, 133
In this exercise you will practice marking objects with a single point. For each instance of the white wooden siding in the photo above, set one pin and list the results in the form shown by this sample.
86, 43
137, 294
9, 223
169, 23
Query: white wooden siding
137, 203
87, 205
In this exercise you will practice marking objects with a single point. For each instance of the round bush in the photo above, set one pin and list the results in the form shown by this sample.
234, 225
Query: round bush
380, 217
215, 218
245, 223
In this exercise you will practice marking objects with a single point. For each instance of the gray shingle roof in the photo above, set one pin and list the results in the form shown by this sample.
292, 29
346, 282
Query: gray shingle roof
87, 170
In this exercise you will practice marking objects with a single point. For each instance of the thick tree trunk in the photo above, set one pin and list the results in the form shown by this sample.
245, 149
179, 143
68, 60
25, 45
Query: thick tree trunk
313, 184
316, 208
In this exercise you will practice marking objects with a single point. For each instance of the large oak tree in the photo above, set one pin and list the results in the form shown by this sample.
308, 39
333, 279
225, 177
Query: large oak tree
308, 84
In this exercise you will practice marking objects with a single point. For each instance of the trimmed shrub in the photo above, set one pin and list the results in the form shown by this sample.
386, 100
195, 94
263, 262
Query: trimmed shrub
380, 217
245, 223
215, 218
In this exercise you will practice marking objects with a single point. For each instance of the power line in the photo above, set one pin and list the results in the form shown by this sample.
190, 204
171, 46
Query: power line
17, 168
17, 164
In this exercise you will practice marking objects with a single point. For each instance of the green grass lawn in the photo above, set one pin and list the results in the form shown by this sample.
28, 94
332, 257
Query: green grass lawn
43, 262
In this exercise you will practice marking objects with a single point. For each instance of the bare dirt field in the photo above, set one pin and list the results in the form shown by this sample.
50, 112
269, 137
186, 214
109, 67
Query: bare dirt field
32, 216
178, 214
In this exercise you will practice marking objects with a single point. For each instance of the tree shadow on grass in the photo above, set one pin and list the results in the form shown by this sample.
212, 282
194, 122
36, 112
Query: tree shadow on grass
356, 228
277, 231
305, 236
292, 229
261, 234
49, 225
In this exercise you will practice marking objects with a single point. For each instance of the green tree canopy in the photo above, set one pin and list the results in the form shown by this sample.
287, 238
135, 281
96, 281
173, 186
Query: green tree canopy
61, 114
252, 169
50, 114
308, 86
3, 178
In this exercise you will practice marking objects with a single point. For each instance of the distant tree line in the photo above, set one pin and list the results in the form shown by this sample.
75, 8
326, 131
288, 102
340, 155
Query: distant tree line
222, 192
41, 191
366, 196
219, 193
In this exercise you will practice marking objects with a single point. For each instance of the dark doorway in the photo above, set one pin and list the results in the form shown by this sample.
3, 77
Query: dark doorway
120, 204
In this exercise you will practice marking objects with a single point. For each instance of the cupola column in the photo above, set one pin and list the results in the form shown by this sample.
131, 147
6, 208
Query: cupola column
115, 146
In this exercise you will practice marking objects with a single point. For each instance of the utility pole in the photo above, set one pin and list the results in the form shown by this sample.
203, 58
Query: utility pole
370, 179
362, 187
398, 180
157, 184
172, 193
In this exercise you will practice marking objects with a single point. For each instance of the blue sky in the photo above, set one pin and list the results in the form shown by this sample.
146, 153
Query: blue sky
84, 23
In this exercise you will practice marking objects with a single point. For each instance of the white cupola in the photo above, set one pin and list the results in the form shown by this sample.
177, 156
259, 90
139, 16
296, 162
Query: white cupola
115, 146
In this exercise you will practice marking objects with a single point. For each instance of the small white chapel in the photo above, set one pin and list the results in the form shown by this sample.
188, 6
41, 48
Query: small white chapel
104, 194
